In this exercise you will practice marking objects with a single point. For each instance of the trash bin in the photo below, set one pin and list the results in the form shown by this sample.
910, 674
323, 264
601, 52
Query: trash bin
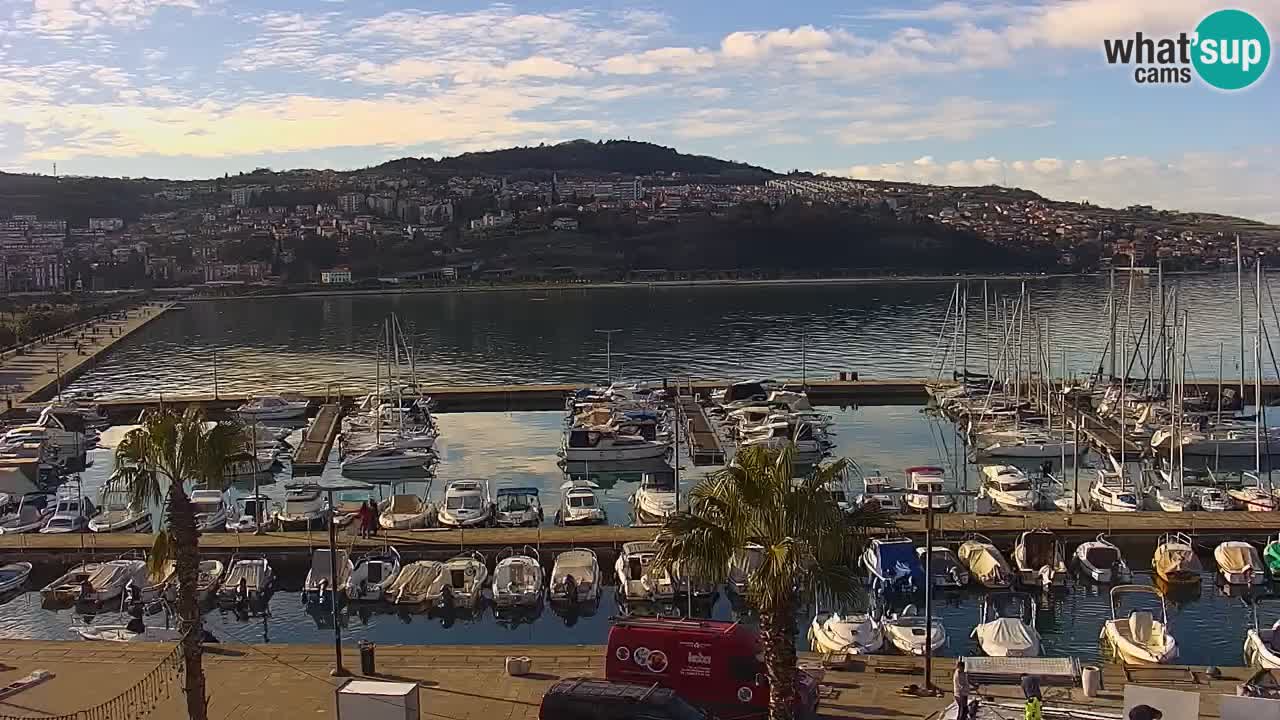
367, 666
1091, 680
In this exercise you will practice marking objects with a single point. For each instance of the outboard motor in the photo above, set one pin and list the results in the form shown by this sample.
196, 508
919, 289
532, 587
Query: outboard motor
447, 601
570, 589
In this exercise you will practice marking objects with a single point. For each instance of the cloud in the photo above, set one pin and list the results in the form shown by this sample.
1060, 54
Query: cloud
62, 19
953, 119
758, 45
942, 12
649, 62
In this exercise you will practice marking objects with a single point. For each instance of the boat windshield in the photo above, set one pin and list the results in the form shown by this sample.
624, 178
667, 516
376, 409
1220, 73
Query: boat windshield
929, 485
60, 523
514, 503
579, 501
1012, 606
838, 496
1127, 498
1015, 485
463, 502
250, 507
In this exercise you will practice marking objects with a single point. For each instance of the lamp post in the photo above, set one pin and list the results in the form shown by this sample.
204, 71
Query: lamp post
608, 353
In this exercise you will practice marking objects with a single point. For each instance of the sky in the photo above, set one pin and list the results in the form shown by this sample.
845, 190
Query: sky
1013, 92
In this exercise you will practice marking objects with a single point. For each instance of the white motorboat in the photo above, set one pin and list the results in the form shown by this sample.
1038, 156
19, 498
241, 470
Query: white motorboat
119, 513
1101, 561
461, 583
637, 579
251, 508
1007, 626
877, 492
272, 407
211, 510
304, 508
907, 632
207, 581
1139, 639
1009, 487
517, 578
69, 586
1024, 444
838, 494
986, 564
655, 500
405, 512
70, 515
833, 633
779, 433
1262, 645
579, 504
1038, 560
893, 566
413, 584
1109, 494
248, 579
1254, 497
1175, 561
63, 431
32, 512
925, 488
245, 466
123, 633
595, 444
321, 585
1239, 563
388, 457
14, 576
466, 504
944, 567
575, 577
109, 580
1213, 499
743, 565
518, 507
373, 574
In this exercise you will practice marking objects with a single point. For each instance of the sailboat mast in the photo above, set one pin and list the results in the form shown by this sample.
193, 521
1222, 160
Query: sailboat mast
1124, 376
986, 329
1240, 310
1111, 296
964, 319
1257, 378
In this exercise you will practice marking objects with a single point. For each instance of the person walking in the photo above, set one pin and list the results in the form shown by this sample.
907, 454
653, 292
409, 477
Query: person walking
1035, 701
373, 519
960, 688
364, 519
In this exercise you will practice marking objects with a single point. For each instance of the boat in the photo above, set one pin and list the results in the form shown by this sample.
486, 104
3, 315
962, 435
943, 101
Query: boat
594, 444
109, 579
1254, 497
388, 457
1101, 561
835, 490
1038, 559
211, 510
944, 568
517, 578
1109, 495
14, 576
1239, 563
637, 580
1009, 487
1262, 645
304, 508
405, 512
907, 632
518, 507
248, 579
32, 512
461, 582
655, 500
1139, 639
124, 634
833, 633
1213, 499
892, 565
321, 584
579, 504
779, 433
1007, 627
1024, 444
1271, 556
925, 489
743, 565
119, 513
251, 508
373, 573
69, 586
877, 492
986, 564
1175, 560
207, 581
272, 407
466, 504
70, 515
575, 577
412, 585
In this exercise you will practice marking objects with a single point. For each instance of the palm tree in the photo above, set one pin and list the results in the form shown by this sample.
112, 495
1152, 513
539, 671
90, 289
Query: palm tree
810, 547
155, 463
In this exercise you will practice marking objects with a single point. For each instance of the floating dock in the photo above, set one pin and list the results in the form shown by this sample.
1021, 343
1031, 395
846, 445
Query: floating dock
313, 452
704, 444
1105, 435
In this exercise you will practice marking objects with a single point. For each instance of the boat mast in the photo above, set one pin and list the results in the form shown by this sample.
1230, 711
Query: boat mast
964, 319
1257, 380
1111, 300
1240, 311
986, 329
1182, 391
1124, 377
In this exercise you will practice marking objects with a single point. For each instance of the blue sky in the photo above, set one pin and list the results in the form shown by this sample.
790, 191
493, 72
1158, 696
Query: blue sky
958, 91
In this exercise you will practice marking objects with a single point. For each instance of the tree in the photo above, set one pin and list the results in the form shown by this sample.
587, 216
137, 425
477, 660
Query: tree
810, 547
155, 463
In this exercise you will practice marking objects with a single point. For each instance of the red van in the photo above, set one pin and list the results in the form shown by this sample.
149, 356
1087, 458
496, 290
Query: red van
710, 663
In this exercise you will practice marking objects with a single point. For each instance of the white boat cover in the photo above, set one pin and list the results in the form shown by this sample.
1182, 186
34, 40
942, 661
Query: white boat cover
518, 575
414, 582
321, 567
1236, 557
115, 574
1007, 636
406, 505
580, 564
984, 561
253, 572
1173, 558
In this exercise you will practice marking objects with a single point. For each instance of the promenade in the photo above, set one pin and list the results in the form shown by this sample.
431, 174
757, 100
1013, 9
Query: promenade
469, 683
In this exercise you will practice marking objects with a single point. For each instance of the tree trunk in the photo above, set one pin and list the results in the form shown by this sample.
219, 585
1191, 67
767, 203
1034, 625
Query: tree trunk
183, 539
778, 640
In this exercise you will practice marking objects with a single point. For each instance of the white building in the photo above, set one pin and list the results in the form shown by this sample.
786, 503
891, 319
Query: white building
336, 276
106, 224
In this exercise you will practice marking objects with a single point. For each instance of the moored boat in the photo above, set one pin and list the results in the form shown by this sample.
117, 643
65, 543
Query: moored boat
373, 574
1007, 626
1239, 563
986, 564
1101, 561
833, 633
1139, 639
1175, 560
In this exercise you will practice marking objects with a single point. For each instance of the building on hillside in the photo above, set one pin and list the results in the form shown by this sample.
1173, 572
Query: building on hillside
336, 276
109, 224
351, 203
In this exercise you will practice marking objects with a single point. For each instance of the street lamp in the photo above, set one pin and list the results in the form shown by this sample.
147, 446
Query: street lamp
608, 352
329, 488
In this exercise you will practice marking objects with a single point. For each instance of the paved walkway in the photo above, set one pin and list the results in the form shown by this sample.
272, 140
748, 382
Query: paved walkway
457, 682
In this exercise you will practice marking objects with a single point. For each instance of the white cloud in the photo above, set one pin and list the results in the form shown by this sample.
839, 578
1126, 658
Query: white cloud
758, 45
942, 12
63, 19
673, 59
953, 119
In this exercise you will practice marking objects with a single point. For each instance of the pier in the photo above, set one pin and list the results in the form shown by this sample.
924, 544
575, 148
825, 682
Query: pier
704, 444
313, 452
1105, 435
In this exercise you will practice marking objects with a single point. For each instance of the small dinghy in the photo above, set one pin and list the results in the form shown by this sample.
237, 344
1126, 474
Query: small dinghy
833, 633
1008, 626
209, 579
1101, 561
1262, 645
1239, 563
1139, 639
1271, 555
123, 634
908, 633
14, 576
67, 588
320, 585
636, 579
109, 580
944, 568
517, 578
373, 574
985, 563
575, 577
1037, 558
33, 511
1175, 560
413, 583
461, 582
405, 512
1212, 499
248, 579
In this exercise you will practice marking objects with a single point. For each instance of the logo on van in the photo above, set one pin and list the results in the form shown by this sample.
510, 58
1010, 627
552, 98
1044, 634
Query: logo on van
744, 694
622, 653
696, 658
657, 661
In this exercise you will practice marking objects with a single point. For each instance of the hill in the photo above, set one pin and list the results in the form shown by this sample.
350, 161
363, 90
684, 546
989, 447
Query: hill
625, 157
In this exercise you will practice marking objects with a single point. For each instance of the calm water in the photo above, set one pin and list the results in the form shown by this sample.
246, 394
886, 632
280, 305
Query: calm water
877, 329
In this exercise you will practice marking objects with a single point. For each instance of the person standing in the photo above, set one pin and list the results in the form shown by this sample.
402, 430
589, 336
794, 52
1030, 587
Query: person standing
1035, 701
960, 688
373, 519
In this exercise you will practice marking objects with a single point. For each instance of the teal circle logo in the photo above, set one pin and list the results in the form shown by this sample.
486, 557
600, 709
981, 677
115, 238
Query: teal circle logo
1232, 49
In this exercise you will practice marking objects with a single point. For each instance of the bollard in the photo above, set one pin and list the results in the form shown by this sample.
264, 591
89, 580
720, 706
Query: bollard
368, 665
